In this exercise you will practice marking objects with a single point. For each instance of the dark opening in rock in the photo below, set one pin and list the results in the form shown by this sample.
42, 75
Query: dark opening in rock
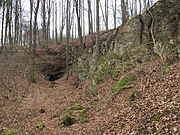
54, 77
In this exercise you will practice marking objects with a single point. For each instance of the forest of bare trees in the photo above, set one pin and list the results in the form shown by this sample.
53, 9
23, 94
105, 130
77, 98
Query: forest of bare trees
18, 19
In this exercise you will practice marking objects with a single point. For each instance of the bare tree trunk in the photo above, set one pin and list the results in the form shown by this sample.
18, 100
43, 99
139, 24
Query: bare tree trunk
103, 14
48, 22
115, 7
124, 11
2, 25
67, 40
62, 21
56, 33
10, 24
90, 20
21, 24
53, 23
6, 24
33, 51
31, 72
44, 30
95, 56
135, 7
140, 6
78, 13
106, 14
16, 23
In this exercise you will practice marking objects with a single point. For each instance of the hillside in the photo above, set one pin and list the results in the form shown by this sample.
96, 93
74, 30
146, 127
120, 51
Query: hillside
154, 109
134, 91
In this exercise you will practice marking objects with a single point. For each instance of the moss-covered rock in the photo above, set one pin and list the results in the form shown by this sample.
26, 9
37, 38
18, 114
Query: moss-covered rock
76, 113
67, 121
123, 83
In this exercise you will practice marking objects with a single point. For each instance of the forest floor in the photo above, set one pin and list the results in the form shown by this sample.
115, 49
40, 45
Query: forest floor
154, 111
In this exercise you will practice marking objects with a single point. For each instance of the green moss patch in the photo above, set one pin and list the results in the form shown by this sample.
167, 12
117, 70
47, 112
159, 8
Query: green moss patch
40, 126
77, 107
166, 70
76, 113
9, 132
155, 117
133, 95
123, 83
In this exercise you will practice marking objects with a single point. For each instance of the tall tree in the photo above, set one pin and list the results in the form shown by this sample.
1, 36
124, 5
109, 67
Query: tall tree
67, 38
44, 29
95, 56
123, 11
78, 14
90, 20
106, 14
2, 24
34, 45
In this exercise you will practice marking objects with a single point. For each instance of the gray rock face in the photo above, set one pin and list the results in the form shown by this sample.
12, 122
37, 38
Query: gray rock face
164, 23
128, 35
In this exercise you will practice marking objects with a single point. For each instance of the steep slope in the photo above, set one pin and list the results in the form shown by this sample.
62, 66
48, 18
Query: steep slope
153, 110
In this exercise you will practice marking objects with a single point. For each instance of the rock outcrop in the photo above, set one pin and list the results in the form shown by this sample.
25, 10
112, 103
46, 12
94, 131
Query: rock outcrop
52, 60
163, 19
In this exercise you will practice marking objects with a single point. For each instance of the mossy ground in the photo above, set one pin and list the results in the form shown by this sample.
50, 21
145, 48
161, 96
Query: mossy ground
123, 83
9, 132
76, 113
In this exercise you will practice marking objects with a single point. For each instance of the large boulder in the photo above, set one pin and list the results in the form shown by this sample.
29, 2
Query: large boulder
163, 19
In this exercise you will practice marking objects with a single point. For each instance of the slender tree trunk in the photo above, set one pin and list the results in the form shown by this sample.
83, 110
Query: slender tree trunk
16, 23
115, 7
135, 7
67, 40
78, 13
6, 24
33, 51
2, 25
124, 11
95, 56
103, 14
106, 14
49, 22
56, 33
21, 24
44, 30
90, 20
